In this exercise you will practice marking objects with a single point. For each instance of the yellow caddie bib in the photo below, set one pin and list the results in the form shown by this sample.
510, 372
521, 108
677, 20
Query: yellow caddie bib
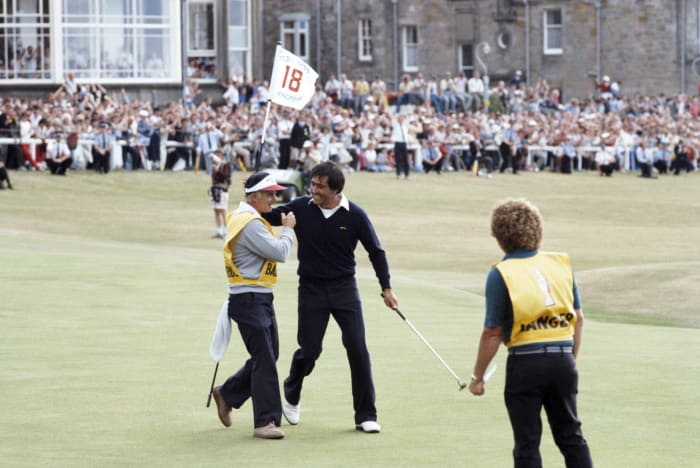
541, 292
268, 274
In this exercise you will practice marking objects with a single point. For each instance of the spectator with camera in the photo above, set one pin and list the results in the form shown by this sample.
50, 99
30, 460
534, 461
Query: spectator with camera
218, 193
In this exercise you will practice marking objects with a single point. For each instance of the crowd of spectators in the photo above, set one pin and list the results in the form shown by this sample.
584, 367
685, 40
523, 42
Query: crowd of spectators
448, 123
25, 61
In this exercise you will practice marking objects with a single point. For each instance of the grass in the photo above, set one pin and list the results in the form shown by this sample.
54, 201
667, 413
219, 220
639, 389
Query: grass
110, 287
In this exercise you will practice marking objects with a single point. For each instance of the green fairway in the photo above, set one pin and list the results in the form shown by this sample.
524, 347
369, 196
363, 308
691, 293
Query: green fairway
110, 287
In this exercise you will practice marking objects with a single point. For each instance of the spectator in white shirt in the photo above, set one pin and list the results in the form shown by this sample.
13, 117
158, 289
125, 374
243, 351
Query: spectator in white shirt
231, 95
476, 88
58, 155
605, 161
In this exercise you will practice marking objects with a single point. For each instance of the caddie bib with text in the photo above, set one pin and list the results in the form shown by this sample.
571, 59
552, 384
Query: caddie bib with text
268, 273
541, 293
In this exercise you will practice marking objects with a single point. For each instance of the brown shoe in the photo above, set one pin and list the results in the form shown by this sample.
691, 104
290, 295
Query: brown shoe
222, 407
268, 432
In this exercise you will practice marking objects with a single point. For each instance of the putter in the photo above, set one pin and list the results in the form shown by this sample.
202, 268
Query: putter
211, 389
462, 384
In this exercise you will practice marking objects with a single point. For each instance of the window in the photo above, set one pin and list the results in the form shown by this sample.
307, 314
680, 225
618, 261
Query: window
294, 31
25, 40
466, 59
201, 45
552, 32
410, 48
364, 40
99, 40
120, 40
238, 38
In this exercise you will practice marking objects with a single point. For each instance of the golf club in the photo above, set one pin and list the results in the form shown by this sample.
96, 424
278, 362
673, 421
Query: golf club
211, 389
462, 385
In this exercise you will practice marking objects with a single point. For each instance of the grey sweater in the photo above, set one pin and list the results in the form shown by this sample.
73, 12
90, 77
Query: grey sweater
255, 244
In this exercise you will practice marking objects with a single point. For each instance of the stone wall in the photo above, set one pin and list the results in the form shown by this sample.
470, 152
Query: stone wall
640, 39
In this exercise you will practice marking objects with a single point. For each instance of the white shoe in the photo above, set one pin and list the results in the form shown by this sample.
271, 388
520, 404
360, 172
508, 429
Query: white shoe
369, 427
291, 412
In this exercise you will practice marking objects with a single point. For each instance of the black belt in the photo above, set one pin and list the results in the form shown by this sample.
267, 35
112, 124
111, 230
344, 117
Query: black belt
549, 349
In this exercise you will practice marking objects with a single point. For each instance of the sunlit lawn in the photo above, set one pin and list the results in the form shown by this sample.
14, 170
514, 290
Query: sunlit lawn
110, 287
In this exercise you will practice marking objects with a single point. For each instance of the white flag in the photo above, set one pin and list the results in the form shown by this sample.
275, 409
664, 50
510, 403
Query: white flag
293, 81
222, 334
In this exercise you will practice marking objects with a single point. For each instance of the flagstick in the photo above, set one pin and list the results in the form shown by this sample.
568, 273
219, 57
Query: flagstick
211, 389
259, 149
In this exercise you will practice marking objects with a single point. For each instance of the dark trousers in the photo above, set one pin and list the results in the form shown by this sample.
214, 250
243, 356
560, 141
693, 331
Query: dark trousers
14, 158
4, 177
507, 158
181, 153
101, 161
566, 164
131, 157
606, 169
430, 164
175, 155
486, 163
401, 158
645, 168
285, 149
472, 155
318, 300
255, 317
495, 157
681, 162
153, 149
550, 381
661, 166
59, 168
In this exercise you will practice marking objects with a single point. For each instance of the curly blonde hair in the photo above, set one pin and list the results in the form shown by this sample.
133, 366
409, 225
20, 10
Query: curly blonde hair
516, 224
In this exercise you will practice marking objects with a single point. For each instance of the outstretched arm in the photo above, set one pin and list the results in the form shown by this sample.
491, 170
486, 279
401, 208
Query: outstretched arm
274, 217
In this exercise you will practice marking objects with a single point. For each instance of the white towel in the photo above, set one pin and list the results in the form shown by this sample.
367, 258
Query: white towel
222, 334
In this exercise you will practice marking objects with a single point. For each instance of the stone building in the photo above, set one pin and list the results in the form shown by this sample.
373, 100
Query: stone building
650, 46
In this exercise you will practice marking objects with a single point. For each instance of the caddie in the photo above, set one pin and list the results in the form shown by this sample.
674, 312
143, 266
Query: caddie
533, 307
251, 253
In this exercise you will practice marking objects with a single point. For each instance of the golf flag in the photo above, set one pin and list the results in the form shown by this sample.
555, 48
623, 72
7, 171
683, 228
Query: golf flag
293, 81
222, 334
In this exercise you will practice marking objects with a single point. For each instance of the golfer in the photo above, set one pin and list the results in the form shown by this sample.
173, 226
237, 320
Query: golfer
533, 307
250, 255
328, 231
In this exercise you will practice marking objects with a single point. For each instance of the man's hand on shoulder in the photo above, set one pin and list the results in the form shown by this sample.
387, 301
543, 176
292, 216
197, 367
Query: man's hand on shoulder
289, 220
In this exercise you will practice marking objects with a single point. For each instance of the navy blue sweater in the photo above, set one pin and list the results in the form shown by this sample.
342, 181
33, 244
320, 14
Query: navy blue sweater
326, 247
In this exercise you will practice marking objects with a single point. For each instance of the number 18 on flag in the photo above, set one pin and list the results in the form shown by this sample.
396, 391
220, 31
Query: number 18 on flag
293, 81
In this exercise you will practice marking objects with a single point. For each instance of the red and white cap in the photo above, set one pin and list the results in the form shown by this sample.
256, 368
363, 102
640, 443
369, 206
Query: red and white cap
262, 182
